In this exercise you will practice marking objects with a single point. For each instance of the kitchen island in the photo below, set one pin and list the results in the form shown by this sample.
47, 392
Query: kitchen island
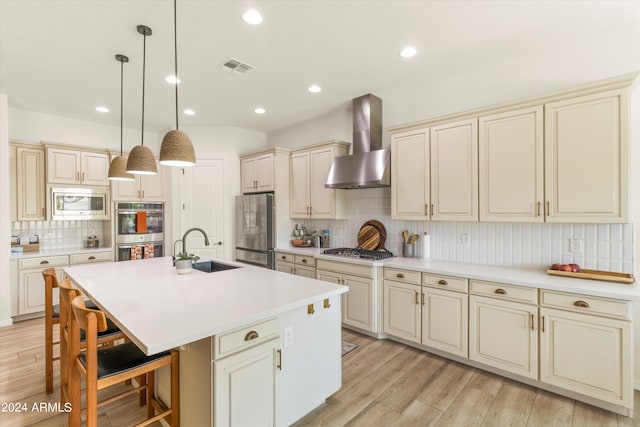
251, 339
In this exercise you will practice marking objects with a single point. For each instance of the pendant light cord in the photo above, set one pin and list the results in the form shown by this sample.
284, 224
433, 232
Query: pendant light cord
121, 96
144, 62
175, 58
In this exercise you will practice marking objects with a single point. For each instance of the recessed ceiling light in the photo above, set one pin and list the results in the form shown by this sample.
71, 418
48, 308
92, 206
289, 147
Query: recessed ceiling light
171, 79
314, 88
189, 112
252, 17
408, 52
260, 110
102, 109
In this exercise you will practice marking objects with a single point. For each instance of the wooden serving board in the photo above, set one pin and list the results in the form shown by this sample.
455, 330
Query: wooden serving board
372, 236
607, 276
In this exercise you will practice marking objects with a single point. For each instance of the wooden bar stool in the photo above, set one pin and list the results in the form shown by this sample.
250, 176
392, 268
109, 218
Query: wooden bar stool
112, 365
105, 338
51, 318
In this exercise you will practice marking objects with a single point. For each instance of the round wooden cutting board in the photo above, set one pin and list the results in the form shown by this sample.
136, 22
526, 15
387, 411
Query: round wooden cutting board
372, 236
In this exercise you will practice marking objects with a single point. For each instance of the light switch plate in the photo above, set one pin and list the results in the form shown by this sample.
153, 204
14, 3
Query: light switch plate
288, 336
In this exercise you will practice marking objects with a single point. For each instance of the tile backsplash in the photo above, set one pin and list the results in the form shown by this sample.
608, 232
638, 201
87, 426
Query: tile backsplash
594, 246
62, 234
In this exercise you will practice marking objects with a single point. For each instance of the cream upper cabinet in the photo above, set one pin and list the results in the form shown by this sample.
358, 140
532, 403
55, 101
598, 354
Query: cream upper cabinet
150, 188
66, 166
309, 169
435, 173
257, 173
511, 170
410, 182
587, 158
30, 194
454, 171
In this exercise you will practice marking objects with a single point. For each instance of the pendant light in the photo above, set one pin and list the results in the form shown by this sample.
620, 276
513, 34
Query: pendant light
141, 160
118, 166
176, 149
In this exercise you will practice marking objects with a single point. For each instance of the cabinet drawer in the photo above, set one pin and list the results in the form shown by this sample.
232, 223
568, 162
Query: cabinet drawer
90, 257
586, 304
445, 282
232, 342
43, 262
345, 267
505, 291
403, 276
284, 257
305, 260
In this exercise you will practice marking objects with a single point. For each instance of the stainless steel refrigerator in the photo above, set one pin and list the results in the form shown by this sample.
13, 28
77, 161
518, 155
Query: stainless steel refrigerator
255, 229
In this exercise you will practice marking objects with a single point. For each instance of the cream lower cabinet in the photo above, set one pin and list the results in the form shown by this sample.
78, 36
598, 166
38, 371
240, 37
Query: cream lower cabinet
245, 387
31, 283
299, 265
360, 303
503, 329
586, 346
435, 317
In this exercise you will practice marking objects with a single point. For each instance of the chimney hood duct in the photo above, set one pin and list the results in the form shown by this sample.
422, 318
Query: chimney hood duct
369, 165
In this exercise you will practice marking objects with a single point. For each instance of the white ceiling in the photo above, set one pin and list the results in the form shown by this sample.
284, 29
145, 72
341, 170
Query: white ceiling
57, 56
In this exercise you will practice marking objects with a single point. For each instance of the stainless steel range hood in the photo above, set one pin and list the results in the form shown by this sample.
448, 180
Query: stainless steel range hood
369, 165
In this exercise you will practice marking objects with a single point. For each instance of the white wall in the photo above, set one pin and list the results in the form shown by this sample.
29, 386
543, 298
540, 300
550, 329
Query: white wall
5, 219
225, 143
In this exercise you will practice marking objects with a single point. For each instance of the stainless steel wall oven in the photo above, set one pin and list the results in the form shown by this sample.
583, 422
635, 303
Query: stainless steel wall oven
139, 230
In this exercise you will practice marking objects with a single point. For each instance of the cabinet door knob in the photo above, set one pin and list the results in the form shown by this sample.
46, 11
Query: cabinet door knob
283, 257
500, 291
304, 260
44, 261
251, 335
582, 304
442, 282
400, 276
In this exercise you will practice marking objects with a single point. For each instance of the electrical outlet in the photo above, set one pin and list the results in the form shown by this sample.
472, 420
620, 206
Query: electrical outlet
576, 246
288, 336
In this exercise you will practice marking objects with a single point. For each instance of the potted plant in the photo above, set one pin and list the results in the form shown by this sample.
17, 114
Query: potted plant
184, 262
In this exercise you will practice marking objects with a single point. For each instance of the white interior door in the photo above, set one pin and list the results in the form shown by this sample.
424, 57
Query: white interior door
202, 206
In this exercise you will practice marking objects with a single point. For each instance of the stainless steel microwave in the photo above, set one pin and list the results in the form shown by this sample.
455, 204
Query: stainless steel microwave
79, 203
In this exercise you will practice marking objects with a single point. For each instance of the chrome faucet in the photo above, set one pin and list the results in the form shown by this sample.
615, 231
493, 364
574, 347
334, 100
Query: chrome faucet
184, 238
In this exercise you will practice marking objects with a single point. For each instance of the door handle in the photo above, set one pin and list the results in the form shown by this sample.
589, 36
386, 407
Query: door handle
279, 365
417, 302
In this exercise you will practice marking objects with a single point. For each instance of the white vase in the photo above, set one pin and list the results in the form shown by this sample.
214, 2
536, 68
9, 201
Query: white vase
183, 266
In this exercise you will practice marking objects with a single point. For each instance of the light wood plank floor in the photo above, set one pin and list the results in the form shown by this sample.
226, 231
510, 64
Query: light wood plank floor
22, 381
389, 384
384, 384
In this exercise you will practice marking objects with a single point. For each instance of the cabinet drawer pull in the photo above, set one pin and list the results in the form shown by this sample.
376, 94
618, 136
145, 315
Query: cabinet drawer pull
251, 335
91, 258
417, 302
304, 260
326, 303
582, 304
442, 282
283, 257
279, 365
310, 309
44, 261
500, 291
400, 276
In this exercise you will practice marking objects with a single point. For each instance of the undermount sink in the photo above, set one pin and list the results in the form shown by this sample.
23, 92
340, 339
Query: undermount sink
212, 266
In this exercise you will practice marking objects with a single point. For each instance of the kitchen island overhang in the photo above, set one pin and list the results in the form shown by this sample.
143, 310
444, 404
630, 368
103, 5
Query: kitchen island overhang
160, 310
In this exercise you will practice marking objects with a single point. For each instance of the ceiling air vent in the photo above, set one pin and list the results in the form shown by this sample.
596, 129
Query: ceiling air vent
234, 66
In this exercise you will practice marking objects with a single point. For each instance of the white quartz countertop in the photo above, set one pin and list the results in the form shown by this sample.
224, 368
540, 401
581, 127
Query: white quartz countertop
532, 276
159, 309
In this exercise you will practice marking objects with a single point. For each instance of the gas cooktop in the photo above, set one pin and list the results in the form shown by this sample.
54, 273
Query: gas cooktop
359, 253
